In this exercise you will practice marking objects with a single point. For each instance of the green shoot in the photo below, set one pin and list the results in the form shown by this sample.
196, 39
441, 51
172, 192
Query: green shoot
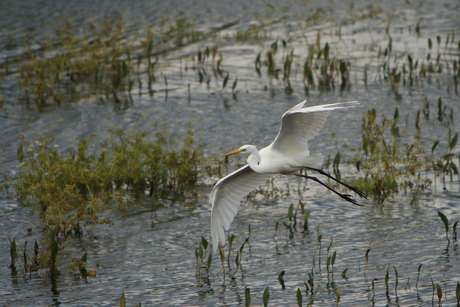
338, 292
276, 229
299, 297
439, 293
266, 296
396, 281
454, 230
209, 261
387, 277
13, 251
234, 84
247, 296
305, 219
225, 82
446, 224
291, 212
418, 275
312, 298
123, 300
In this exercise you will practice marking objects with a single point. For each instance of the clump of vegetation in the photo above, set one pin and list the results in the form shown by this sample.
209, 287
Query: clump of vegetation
56, 184
319, 65
97, 61
389, 166
331, 68
67, 60
253, 33
74, 187
408, 70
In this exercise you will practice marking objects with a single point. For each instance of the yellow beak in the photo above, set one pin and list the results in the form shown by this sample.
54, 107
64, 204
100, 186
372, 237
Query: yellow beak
235, 152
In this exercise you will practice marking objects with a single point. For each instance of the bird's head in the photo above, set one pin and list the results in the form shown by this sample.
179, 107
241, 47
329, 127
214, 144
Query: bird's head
247, 149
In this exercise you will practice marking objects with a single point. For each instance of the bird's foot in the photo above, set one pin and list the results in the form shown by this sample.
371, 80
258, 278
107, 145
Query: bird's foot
349, 198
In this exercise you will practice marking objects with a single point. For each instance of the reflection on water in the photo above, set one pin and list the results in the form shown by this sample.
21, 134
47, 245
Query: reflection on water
149, 250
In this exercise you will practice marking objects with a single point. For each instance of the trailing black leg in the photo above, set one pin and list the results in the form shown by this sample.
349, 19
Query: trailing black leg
356, 190
347, 197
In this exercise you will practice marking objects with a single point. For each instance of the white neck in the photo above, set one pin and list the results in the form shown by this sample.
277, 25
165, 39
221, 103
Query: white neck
254, 159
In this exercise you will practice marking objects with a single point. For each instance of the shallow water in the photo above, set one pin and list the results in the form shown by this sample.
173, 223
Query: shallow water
149, 250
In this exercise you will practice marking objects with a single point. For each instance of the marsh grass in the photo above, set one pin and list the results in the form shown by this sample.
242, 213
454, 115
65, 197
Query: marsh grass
69, 65
389, 166
321, 66
67, 59
397, 66
73, 187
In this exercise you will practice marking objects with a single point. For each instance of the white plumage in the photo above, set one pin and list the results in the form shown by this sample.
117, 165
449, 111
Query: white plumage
287, 154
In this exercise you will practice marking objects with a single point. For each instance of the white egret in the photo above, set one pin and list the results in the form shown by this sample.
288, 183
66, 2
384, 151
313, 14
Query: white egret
286, 155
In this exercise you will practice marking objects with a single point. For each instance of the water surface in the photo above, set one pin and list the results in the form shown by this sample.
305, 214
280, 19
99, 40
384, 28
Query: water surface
149, 250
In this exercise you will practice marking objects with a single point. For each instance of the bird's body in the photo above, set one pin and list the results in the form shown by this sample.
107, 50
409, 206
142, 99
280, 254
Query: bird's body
287, 154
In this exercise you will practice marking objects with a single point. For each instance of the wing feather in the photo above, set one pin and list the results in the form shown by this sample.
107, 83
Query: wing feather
226, 197
299, 125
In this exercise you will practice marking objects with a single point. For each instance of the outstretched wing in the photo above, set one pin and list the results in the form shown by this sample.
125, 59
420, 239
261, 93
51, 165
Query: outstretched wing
226, 197
299, 125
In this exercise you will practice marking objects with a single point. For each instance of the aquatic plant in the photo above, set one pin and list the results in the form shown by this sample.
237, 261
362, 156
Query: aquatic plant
454, 231
366, 257
330, 263
276, 229
299, 297
252, 33
312, 298
266, 296
328, 257
230, 244
418, 275
319, 237
123, 301
291, 212
237, 263
68, 59
98, 57
396, 281
247, 297
281, 279
446, 224
387, 167
380, 172
203, 268
222, 261
306, 216
387, 278
54, 250
13, 253
457, 293
439, 293
67, 188
338, 293
319, 62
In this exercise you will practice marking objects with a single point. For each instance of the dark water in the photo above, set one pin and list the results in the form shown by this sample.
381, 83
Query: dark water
149, 250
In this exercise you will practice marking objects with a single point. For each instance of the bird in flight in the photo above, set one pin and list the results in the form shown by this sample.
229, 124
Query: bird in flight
287, 154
